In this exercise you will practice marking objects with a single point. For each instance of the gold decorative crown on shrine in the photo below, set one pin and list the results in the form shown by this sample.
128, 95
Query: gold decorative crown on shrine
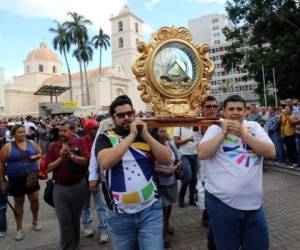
174, 74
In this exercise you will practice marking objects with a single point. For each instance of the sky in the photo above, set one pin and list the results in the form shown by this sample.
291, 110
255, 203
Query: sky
25, 23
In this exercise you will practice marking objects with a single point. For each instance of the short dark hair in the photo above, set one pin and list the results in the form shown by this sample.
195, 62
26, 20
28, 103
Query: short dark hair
234, 98
15, 128
28, 118
209, 98
72, 124
119, 101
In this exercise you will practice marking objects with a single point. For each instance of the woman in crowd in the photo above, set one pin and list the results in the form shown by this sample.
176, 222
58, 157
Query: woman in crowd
167, 184
288, 131
20, 158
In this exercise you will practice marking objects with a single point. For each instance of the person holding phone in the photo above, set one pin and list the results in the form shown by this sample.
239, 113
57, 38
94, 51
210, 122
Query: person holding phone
20, 157
127, 155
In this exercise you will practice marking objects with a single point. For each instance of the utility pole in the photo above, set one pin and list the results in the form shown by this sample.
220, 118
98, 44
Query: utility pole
275, 89
264, 83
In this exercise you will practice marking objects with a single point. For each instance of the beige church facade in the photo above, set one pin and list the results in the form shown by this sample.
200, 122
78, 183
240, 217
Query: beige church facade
43, 67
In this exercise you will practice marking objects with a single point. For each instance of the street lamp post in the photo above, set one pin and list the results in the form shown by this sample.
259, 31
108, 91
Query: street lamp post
264, 83
275, 89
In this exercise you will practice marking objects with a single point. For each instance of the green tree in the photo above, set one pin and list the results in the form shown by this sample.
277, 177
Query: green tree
86, 54
77, 30
101, 40
266, 32
61, 41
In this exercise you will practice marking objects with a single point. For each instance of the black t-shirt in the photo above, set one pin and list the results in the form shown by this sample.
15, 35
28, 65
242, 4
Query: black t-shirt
103, 142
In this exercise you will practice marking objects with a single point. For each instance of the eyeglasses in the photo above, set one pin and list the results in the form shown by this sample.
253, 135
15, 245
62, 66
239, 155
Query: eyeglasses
210, 106
237, 109
122, 115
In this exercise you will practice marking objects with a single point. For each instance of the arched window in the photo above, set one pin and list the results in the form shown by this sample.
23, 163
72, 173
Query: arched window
27, 69
41, 68
54, 69
120, 26
137, 41
136, 27
121, 43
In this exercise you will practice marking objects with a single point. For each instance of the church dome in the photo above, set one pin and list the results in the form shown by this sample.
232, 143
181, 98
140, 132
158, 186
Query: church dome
43, 53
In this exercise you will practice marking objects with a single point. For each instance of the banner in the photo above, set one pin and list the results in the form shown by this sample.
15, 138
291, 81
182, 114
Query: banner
70, 105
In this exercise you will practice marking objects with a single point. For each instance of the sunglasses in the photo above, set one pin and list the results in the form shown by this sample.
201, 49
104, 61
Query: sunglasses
210, 106
122, 115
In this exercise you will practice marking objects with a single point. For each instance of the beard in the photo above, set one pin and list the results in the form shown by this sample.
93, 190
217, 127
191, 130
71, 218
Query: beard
124, 128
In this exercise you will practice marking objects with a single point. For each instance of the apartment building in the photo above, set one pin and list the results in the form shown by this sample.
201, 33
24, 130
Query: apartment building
208, 29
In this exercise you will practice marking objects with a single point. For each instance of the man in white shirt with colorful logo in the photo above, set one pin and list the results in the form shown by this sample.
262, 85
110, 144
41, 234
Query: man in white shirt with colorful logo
234, 155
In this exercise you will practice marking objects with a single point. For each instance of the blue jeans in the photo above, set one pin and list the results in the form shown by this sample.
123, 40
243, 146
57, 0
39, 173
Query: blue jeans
3, 205
298, 148
190, 166
276, 139
235, 229
101, 209
142, 230
3, 222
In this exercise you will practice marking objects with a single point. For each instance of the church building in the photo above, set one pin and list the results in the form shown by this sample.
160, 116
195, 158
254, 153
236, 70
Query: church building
43, 72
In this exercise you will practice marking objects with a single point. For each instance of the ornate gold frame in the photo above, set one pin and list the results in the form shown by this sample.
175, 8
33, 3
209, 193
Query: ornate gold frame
164, 103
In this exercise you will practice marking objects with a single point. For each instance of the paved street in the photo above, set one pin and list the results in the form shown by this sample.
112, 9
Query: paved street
282, 204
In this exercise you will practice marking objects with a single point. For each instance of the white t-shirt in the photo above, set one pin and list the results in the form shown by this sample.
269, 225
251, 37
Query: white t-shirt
27, 126
189, 148
234, 173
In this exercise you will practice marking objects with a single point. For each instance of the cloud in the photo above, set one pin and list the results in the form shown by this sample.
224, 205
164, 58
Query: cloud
208, 1
98, 11
147, 29
149, 5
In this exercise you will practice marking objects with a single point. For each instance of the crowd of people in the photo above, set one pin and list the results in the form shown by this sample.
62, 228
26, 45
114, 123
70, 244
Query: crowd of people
132, 172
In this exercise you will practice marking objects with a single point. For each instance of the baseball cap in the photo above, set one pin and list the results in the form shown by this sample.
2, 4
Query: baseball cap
90, 124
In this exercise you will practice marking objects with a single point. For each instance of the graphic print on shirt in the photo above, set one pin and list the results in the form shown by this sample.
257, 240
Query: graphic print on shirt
238, 151
131, 180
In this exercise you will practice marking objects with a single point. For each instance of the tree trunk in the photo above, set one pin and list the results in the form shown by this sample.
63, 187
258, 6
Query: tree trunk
81, 79
86, 85
70, 78
100, 62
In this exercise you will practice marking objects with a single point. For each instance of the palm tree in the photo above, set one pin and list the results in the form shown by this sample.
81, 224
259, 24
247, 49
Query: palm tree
77, 31
61, 41
102, 41
86, 54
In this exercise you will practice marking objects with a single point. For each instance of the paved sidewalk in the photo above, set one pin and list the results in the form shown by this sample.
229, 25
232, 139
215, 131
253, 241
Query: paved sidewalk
282, 204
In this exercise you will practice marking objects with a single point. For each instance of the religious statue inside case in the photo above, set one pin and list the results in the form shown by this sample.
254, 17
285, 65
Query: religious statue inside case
174, 74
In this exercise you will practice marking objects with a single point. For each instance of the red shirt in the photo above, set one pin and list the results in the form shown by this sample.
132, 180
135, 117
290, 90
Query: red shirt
62, 174
87, 141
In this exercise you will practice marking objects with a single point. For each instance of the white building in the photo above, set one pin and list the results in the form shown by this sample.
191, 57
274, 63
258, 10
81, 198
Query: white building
43, 67
208, 29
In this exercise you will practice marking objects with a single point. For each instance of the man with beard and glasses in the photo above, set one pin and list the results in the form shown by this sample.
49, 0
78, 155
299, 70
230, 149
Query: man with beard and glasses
68, 159
233, 154
127, 155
